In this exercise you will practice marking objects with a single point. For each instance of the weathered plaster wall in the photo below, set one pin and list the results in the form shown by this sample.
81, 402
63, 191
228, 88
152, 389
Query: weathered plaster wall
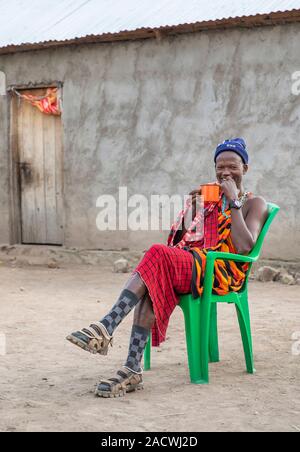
148, 115
4, 173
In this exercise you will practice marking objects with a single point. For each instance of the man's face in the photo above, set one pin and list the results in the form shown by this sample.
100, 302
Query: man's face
229, 164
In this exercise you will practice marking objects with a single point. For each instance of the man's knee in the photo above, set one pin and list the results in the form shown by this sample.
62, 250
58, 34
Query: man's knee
157, 250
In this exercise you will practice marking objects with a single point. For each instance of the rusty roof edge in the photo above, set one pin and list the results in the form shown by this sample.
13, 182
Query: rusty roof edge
258, 20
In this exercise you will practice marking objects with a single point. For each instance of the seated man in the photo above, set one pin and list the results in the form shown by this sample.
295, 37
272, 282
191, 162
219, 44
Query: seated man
231, 225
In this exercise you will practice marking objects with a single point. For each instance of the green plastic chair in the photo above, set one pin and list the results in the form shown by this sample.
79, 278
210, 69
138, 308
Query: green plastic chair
201, 314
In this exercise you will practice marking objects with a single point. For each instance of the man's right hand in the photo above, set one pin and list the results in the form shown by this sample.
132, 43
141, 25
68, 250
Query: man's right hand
194, 194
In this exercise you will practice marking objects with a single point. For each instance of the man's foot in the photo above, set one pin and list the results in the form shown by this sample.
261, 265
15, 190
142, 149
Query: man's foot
94, 339
125, 381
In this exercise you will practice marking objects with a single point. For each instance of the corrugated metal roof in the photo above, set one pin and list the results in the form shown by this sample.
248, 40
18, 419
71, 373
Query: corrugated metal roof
37, 21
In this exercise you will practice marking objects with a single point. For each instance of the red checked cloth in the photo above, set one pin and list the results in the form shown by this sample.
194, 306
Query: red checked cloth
210, 234
167, 272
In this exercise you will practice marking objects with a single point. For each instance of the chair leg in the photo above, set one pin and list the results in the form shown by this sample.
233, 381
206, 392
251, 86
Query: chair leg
205, 315
214, 356
191, 311
243, 314
147, 354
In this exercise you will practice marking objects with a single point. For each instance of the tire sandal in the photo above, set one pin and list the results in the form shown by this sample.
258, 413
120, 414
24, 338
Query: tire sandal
94, 339
126, 381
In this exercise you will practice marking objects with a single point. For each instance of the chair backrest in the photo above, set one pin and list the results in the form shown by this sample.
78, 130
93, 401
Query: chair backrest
273, 210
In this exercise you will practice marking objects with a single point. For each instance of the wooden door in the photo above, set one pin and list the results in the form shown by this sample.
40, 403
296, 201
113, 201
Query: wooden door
39, 138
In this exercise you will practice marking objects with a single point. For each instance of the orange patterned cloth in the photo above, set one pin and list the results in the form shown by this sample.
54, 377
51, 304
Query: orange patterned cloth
47, 104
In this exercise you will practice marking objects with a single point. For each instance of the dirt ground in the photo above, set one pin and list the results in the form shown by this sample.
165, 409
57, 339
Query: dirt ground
46, 384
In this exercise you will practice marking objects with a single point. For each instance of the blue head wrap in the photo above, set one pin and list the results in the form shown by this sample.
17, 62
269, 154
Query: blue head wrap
236, 145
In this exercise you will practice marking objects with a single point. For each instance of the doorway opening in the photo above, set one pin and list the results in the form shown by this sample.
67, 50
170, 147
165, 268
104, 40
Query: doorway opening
36, 171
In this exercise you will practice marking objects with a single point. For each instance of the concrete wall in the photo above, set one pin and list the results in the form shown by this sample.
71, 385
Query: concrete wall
4, 163
149, 114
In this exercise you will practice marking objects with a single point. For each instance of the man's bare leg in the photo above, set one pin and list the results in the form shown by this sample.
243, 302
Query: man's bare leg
136, 285
143, 313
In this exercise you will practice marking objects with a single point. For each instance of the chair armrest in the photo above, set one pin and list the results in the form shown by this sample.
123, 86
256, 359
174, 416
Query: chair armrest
209, 269
213, 255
